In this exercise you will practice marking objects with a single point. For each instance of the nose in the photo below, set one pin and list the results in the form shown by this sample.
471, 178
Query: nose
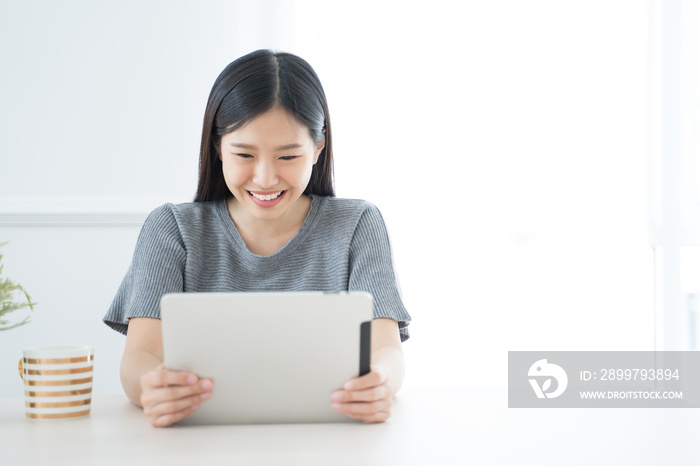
265, 174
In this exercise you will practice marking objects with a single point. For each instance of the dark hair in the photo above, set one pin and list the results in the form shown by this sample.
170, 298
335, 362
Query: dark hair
249, 87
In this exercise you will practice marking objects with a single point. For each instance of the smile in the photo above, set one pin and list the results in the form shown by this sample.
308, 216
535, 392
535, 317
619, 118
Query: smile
266, 197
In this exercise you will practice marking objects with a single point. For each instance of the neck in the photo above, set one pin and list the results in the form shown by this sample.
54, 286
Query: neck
286, 225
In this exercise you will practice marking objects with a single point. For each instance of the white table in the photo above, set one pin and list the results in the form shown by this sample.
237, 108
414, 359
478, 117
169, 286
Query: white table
428, 427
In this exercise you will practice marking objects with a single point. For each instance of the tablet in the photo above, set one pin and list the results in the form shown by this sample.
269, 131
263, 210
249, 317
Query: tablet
273, 357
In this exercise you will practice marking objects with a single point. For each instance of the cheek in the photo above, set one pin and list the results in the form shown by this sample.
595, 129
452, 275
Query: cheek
233, 175
300, 175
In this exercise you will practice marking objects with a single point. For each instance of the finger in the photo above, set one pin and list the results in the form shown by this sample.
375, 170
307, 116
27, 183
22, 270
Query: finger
176, 406
368, 408
172, 418
162, 377
370, 394
154, 396
373, 418
376, 376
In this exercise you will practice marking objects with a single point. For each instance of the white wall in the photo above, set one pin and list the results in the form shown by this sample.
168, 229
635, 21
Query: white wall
504, 142
72, 272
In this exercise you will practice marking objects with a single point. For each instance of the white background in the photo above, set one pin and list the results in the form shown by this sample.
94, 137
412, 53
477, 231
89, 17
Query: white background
505, 142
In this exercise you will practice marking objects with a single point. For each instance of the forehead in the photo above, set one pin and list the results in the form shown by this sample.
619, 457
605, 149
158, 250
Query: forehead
274, 127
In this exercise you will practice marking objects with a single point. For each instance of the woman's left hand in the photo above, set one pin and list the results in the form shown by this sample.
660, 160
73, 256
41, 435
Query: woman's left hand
367, 398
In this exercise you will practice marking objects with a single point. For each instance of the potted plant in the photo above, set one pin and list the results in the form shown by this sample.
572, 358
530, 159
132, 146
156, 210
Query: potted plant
8, 304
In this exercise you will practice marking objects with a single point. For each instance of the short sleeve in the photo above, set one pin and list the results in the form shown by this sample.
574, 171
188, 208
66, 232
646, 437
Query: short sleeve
372, 269
157, 268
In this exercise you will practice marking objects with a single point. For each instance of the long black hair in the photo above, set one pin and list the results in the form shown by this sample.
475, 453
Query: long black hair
249, 87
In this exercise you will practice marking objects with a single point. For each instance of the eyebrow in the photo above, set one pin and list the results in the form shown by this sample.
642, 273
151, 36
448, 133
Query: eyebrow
250, 146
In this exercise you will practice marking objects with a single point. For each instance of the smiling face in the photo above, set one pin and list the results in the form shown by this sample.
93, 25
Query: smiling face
267, 165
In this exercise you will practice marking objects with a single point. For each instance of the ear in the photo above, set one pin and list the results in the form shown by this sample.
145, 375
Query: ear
320, 148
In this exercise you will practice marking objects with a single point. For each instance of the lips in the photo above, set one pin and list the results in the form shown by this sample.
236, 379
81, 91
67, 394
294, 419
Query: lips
269, 199
266, 197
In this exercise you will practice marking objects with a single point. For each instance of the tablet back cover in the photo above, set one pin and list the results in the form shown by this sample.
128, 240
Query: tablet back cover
273, 357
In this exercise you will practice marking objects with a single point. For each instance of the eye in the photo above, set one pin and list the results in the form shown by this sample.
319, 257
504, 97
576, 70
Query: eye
289, 157
244, 156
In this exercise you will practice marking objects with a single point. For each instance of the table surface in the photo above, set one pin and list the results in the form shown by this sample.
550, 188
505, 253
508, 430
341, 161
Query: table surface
428, 426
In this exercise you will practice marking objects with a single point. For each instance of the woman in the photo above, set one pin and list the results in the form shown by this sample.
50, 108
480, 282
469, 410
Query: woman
264, 219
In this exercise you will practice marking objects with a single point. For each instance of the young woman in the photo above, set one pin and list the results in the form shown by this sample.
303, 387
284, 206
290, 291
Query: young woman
264, 219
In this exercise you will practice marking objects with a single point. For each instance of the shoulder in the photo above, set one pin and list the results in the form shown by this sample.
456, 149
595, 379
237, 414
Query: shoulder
177, 222
350, 216
185, 213
343, 208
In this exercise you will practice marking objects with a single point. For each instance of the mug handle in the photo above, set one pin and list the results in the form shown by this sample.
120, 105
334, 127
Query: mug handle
19, 367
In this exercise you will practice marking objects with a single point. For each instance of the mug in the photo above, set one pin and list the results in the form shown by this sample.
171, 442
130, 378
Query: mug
57, 381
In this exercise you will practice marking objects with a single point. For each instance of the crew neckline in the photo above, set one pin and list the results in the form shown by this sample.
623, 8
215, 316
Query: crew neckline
287, 247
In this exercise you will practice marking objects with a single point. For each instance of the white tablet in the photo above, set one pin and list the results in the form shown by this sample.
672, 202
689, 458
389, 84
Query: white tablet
273, 357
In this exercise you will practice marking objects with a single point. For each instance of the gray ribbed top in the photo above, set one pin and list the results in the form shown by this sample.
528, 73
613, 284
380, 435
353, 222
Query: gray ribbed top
343, 245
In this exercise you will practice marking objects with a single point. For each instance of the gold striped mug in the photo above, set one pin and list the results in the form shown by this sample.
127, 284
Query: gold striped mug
57, 381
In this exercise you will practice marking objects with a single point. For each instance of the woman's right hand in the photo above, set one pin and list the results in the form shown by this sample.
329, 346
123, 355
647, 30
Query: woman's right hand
169, 396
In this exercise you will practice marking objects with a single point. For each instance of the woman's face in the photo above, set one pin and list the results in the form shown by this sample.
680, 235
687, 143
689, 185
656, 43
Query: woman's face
267, 163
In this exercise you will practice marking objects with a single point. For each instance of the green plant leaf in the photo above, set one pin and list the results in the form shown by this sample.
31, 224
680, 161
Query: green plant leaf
8, 303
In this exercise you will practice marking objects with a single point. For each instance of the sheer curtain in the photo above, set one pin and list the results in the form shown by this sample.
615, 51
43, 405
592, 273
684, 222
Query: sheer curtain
506, 144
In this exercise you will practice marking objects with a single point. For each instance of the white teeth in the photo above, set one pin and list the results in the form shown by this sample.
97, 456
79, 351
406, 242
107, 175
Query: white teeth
266, 197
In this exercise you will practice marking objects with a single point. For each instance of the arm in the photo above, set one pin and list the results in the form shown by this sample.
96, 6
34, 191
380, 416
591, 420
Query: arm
143, 353
369, 398
165, 396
